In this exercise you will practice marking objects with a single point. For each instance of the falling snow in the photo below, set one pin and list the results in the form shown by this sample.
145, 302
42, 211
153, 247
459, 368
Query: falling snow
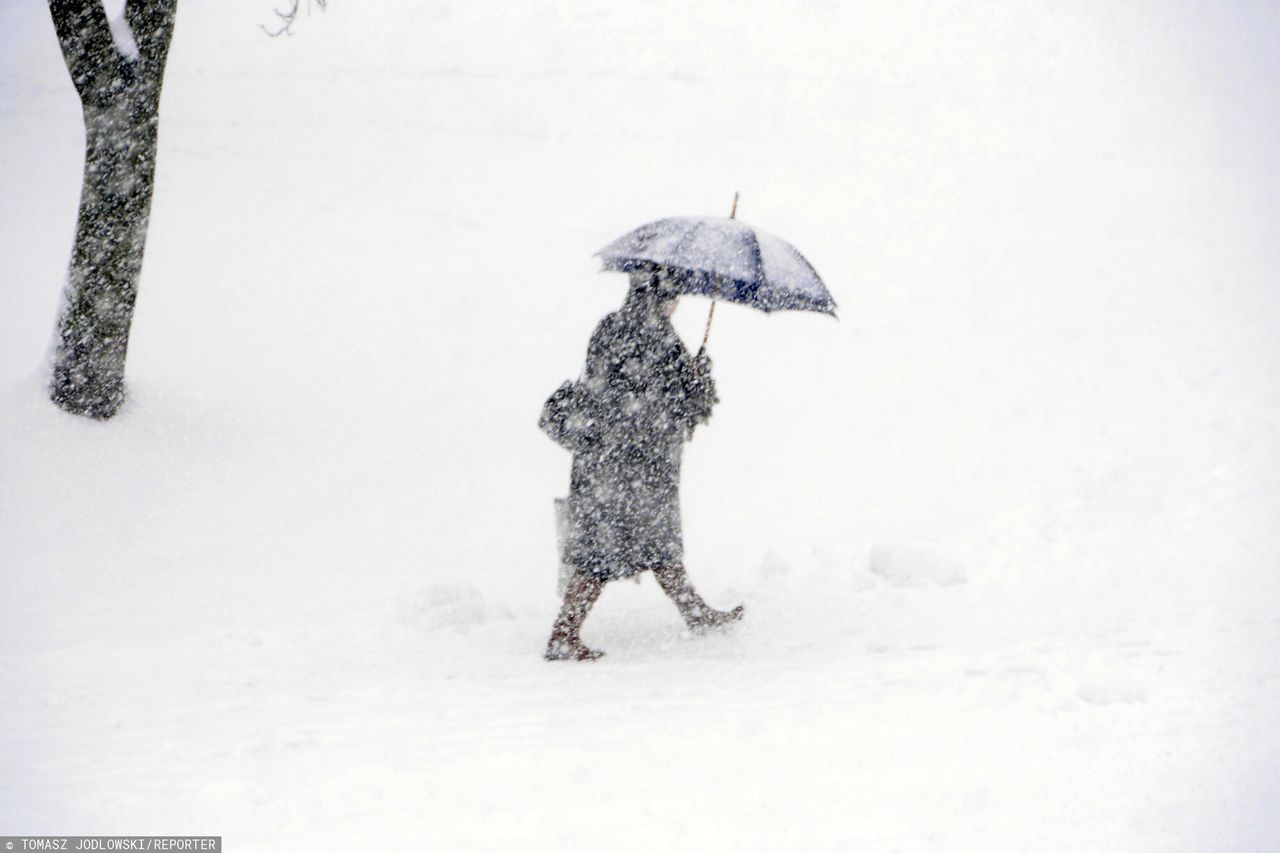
1004, 532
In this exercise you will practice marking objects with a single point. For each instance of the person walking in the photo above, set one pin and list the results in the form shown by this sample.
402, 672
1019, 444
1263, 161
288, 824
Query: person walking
626, 421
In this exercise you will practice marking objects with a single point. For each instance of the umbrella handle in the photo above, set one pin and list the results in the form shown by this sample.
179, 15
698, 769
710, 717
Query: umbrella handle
733, 214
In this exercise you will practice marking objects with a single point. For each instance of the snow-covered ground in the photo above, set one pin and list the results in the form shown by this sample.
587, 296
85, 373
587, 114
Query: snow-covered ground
1006, 532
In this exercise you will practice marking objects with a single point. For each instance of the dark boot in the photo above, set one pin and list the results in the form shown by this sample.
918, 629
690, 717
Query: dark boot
697, 614
565, 644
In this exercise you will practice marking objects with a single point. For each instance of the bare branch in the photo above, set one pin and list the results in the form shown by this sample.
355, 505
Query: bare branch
87, 48
152, 25
289, 15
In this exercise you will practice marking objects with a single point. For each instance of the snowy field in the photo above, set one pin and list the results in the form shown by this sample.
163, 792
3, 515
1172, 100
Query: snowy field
1007, 532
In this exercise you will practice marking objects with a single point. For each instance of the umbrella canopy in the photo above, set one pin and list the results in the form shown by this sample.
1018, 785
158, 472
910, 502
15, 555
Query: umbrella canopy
724, 258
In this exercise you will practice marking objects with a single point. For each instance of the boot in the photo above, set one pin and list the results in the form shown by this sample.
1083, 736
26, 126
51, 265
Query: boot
565, 644
697, 614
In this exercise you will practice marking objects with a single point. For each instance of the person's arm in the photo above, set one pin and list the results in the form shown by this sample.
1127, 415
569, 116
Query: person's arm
700, 389
597, 371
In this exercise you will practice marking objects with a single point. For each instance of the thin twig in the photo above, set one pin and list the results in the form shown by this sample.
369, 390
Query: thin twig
288, 16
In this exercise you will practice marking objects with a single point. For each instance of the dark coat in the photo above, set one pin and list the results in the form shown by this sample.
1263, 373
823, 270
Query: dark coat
639, 399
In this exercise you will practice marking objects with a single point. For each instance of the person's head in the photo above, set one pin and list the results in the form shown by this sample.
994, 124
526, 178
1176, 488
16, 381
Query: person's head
653, 289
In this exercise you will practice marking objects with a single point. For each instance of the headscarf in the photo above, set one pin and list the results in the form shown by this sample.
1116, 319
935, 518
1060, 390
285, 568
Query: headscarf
652, 288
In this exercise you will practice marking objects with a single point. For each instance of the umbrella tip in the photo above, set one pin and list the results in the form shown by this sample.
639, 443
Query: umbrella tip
733, 213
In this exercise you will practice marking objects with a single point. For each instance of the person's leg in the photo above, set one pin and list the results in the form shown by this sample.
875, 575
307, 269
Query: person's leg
565, 644
697, 614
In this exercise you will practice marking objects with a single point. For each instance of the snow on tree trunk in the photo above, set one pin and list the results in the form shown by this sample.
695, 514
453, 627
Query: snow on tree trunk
118, 79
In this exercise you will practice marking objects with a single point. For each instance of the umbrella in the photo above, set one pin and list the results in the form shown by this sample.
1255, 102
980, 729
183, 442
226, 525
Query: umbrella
724, 258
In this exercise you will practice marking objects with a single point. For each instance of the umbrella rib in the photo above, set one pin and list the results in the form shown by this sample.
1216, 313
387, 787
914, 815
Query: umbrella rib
760, 279
686, 239
831, 303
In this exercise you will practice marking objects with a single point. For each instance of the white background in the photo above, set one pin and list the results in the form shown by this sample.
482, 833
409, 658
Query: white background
1005, 532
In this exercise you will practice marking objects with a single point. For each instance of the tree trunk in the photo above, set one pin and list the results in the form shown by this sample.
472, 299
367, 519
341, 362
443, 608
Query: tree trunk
120, 93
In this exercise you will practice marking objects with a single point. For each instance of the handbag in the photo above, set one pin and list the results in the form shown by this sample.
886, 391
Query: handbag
570, 417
